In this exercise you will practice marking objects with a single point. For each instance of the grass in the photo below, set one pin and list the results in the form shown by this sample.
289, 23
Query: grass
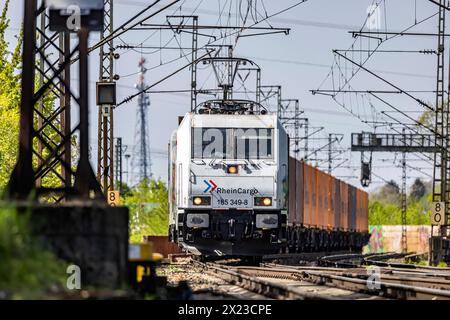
442, 265
27, 271
425, 263
169, 269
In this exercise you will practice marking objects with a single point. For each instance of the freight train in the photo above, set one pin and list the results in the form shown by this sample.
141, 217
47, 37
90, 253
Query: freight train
235, 191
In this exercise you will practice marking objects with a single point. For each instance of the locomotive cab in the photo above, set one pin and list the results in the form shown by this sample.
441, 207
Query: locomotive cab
228, 183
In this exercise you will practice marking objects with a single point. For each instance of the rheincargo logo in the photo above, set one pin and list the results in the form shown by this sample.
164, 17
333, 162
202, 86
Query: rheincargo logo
252, 191
210, 186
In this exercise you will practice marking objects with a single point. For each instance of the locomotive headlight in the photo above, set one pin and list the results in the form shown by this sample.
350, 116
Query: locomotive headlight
263, 201
267, 201
232, 169
201, 201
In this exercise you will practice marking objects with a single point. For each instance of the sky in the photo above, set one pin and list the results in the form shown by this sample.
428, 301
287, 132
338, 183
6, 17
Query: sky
299, 62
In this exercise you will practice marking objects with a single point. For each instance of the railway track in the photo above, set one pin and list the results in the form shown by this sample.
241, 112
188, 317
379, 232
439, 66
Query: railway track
256, 284
336, 283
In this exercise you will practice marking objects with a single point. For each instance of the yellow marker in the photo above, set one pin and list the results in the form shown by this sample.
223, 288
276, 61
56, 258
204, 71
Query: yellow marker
140, 271
114, 198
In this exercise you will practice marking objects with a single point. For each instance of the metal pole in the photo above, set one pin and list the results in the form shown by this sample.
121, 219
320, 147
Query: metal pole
404, 204
21, 182
127, 158
65, 103
440, 164
118, 163
105, 160
82, 184
194, 64
330, 150
297, 128
85, 180
306, 139
40, 104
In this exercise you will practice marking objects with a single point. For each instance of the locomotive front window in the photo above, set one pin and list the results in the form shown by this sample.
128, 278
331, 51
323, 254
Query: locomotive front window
211, 143
232, 143
253, 143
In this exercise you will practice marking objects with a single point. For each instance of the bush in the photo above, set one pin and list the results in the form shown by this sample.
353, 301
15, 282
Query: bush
417, 213
149, 210
26, 269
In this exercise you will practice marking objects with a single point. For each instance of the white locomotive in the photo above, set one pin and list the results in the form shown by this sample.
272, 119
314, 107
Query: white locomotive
228, 180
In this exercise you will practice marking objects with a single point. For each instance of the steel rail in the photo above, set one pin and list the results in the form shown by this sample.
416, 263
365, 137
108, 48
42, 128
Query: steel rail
260, 286
408, 282
413, 273
381, 288
291, 273
406, 279
372, 261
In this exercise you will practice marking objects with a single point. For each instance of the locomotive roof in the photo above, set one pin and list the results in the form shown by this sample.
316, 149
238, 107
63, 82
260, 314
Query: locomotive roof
233, 121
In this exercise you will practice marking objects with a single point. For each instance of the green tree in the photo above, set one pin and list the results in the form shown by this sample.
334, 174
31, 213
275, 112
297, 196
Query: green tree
149, 210
10, 64
381, 213
10, 94
426, 120
418, 189
384, 211
26, 269
389, 193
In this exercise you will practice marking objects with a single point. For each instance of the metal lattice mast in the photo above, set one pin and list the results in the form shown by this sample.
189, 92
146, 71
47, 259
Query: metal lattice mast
45, 163
330, 151
105, 160
51, 150
194, 65
404, 202
297, 129
52, 124
306, 139
332, 139
441, 170
289, 116
118, 164
141, 152
404, 205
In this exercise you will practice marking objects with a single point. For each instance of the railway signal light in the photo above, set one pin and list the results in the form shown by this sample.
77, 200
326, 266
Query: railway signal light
106, 93
365, 174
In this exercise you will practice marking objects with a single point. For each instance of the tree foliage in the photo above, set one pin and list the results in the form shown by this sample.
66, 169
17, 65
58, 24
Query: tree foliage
385, 208
10, 94
426, 120
10, 64
418, 189
26, 269
389, 193
149, 209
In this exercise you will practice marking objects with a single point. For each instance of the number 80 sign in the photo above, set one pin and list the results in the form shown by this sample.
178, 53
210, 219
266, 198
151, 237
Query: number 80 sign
114, 198
438, 214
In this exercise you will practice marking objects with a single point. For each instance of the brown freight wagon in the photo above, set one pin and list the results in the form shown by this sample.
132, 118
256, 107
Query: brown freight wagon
324, 212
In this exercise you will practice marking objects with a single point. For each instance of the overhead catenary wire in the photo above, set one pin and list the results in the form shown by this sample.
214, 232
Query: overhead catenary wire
128, 99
